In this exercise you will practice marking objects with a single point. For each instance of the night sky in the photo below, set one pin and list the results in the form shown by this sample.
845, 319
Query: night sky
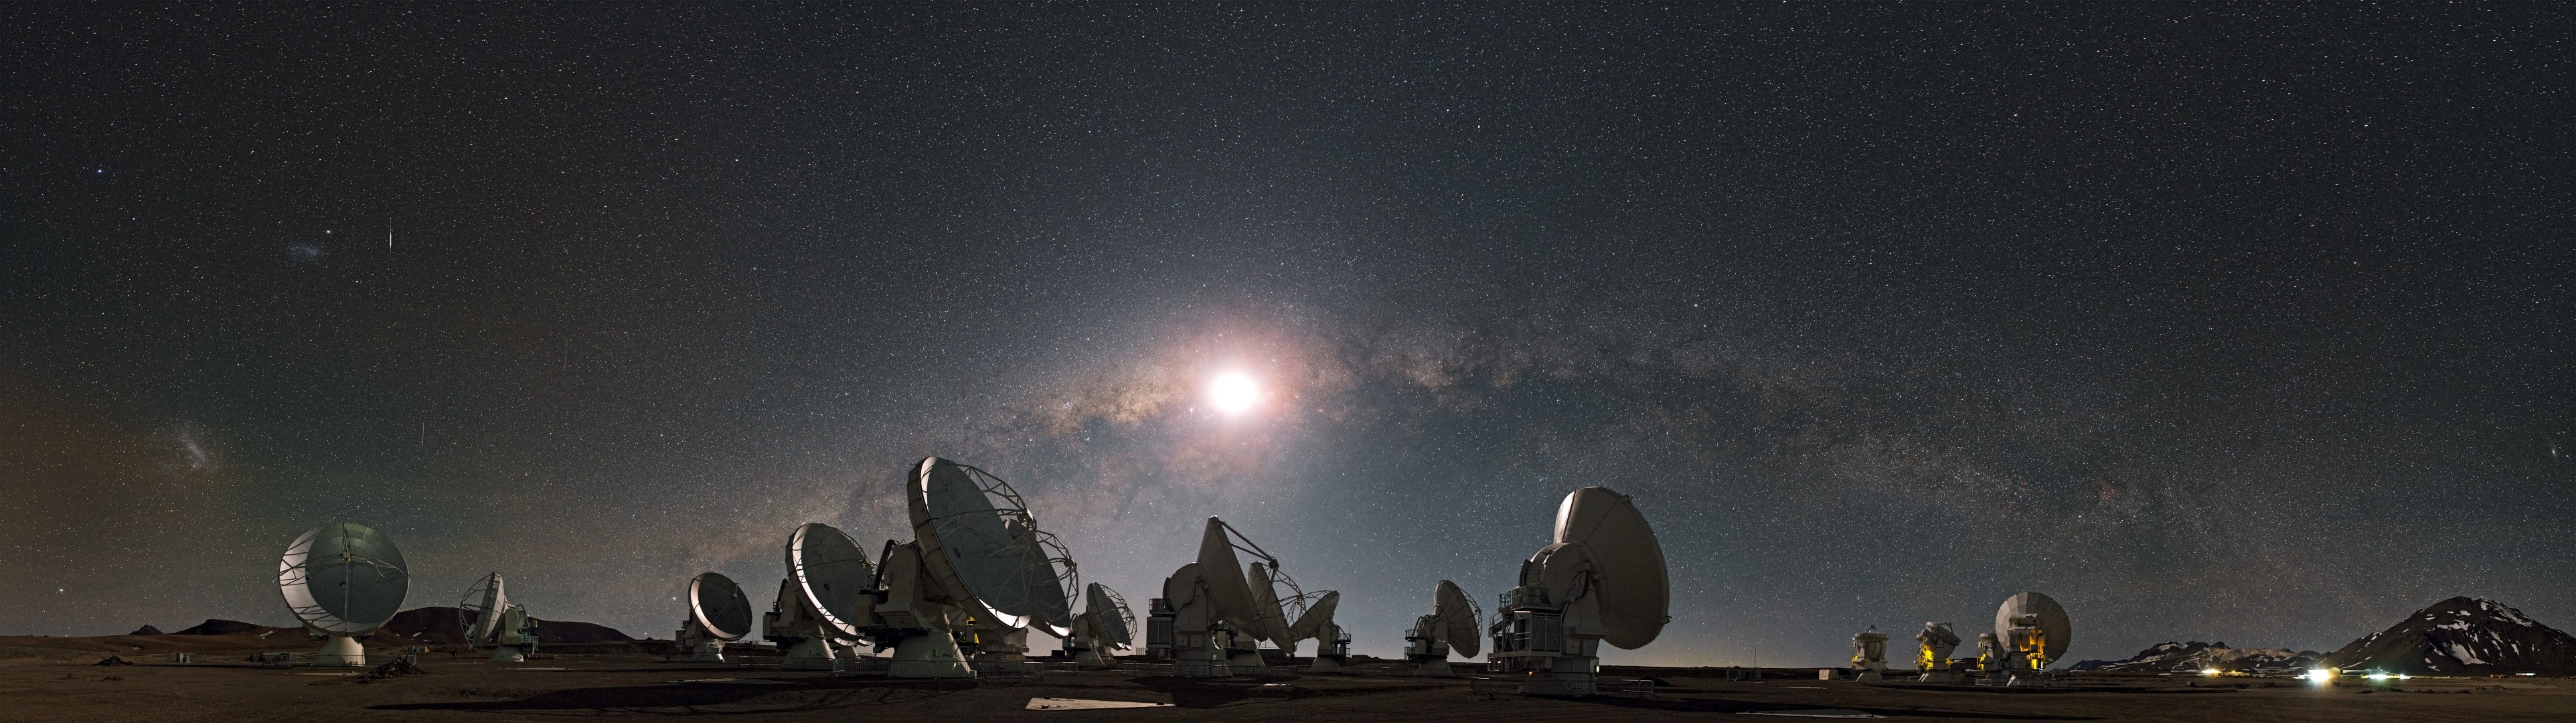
2243, 323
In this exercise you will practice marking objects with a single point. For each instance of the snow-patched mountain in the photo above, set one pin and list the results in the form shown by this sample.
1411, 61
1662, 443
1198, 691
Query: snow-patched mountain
2462, 636
2196, 656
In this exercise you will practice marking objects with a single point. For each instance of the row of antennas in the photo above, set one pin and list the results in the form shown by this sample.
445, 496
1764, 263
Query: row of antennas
979, 574
1602, 579
343, 581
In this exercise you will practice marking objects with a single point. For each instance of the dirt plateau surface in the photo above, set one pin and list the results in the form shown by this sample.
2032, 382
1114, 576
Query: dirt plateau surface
635, 686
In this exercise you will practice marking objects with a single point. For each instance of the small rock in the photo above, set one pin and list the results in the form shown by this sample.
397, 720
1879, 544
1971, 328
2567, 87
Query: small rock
394, 669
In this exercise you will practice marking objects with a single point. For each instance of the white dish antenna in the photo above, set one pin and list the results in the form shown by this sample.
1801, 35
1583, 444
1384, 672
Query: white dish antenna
1184, 583
719, 606
1267, 604
1228, 590
1114, 621
830, 571
480, 611
1603, 580
979, 542
1318, 615
1458, 618
1626, 564
2055, 629
1273, 619
343, 579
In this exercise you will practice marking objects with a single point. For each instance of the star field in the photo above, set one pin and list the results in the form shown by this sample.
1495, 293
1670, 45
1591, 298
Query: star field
2211, 322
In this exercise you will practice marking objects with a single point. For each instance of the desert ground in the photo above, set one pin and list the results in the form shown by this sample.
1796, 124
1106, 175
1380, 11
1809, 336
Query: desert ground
59, 679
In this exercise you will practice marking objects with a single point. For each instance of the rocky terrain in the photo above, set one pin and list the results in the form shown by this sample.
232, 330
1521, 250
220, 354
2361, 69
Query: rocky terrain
2463, 636
2196, 656
2459, 636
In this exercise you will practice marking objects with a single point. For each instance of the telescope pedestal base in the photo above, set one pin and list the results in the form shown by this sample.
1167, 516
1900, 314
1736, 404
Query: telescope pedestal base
509, 655
1199, 663
1091, 659
1326, 662
810, 654
1247, 663
1936, 678
930, 655
341, 651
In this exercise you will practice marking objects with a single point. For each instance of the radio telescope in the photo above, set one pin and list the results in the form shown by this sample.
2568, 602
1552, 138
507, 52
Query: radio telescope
1869, 655
1210, 613
343, 580
1990, 659
1602, 580
1185, 626
2033, 632
491, 620
1102, 629
981, 543
1332, 646
718, 613
1454, 623
1933, 659
1278, 615
825, 591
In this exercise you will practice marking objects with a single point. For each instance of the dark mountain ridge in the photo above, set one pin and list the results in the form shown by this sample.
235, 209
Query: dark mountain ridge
216, 626
445, 626
423, 626
2196, 656
2462, 636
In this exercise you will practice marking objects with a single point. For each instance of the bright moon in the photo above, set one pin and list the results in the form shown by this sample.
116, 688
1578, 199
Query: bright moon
1233, 393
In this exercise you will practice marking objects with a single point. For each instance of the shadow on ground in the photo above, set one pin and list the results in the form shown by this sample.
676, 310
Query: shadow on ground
705, 698
1195, 693
1200, 693
1721, 705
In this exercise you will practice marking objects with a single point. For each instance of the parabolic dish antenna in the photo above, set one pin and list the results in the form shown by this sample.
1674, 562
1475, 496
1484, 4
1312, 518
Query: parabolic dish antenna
1266, 606
1459, 618
1117, 624
1602, 580
719, 606
1310, 625
2056, 628
830, 571
480, 610
343, 579
1635, 597
1180, 585
979, 541
1224, 578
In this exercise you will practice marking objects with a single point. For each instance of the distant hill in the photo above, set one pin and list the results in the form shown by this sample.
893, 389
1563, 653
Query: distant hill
445, 626
2462, 636
2196, 656
146, 630
213, 626
567, 631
